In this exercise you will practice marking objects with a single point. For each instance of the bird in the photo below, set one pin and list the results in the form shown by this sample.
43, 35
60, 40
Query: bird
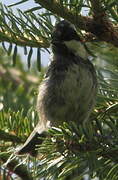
69, 88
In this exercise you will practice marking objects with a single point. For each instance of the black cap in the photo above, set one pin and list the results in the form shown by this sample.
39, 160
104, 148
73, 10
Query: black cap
64, 31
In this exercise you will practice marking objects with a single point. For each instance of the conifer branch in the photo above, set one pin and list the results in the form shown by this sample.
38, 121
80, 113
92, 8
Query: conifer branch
13, 167
55, 7
23, 41
102, 26
99, 25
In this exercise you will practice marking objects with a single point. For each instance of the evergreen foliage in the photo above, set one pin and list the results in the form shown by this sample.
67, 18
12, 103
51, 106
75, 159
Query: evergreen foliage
70, 152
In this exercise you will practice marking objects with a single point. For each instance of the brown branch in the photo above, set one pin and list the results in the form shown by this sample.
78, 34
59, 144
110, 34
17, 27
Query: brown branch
102, 27
97, 7
56, 8
99, 25
12, 166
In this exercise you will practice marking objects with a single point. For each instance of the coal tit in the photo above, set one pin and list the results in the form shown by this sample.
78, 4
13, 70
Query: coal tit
69, 89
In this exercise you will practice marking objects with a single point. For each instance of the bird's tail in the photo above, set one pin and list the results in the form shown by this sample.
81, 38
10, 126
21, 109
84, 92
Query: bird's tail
31, 143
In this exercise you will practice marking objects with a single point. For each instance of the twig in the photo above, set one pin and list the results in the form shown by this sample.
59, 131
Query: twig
23, 41
99, 25
20, 170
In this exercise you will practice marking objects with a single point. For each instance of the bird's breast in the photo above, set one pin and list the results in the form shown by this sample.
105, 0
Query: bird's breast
68, 95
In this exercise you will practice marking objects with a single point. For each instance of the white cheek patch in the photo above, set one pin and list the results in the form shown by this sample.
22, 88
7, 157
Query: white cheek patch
77, 48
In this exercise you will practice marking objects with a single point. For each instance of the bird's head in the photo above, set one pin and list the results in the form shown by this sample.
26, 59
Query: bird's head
65, 34
64, 31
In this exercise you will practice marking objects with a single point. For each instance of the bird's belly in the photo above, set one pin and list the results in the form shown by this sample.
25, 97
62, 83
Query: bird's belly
72, 99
